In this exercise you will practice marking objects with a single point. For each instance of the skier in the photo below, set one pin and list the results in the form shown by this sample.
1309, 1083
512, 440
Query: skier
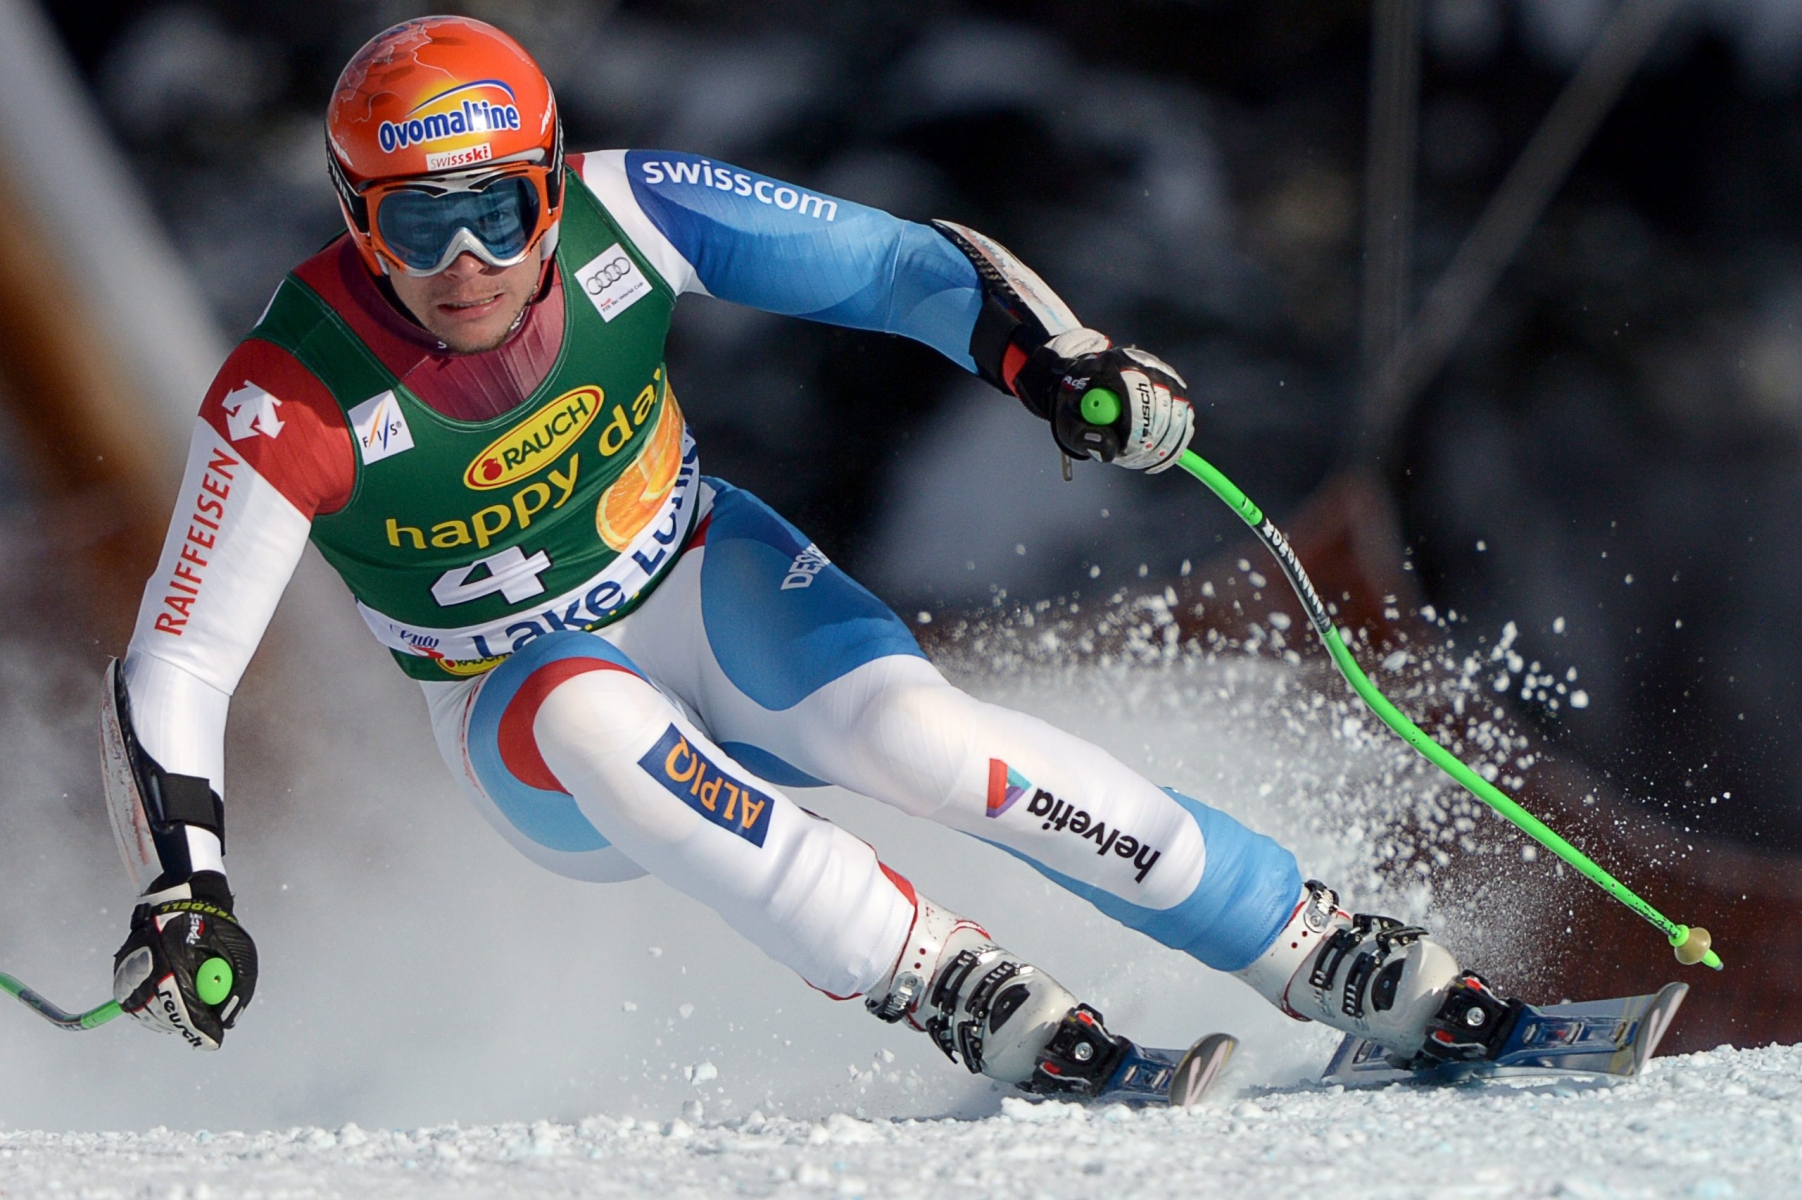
463, 402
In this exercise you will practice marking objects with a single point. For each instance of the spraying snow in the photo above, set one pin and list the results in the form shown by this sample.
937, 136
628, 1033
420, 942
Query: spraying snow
419, 975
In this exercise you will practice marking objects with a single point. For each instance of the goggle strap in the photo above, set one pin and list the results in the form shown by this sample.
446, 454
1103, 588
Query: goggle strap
354, 204
553, 178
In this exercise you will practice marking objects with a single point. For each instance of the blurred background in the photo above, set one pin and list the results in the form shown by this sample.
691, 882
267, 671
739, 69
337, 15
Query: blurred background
1496, 303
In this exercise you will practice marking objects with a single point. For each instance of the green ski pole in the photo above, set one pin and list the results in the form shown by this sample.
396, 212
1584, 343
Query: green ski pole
1692, 945
75, 1022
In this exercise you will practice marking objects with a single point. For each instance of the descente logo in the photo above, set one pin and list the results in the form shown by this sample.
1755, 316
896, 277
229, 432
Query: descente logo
538, 441
807, 564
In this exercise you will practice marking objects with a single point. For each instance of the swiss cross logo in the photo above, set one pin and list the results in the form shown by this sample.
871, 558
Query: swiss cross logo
250, 410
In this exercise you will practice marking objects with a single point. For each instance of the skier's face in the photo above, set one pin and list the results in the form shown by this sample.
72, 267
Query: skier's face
469, 306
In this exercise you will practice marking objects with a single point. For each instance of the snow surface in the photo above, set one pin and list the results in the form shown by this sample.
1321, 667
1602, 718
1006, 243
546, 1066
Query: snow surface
536, 1036
1722, 1123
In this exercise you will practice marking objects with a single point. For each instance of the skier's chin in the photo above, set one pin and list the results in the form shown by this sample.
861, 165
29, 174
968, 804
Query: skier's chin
472, 328
469, 306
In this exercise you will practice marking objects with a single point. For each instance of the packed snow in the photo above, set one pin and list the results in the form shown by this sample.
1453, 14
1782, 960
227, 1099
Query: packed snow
1722, 1123
436, 1016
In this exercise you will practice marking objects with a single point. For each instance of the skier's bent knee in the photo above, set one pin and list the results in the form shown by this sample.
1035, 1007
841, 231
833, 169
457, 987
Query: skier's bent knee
601, 712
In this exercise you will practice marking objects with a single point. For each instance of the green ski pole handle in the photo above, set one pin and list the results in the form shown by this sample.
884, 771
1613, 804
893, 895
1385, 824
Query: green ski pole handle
213, 983
1100, 406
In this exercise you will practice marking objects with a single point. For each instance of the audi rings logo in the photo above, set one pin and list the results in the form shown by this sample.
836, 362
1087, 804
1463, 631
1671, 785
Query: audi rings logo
610, 273
613, 282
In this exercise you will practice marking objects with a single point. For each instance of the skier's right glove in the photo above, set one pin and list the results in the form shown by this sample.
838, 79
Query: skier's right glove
1155, 421
188, 967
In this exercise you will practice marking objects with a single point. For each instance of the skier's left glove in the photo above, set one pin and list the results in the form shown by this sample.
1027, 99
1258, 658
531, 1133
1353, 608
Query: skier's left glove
188, 967
1155, 422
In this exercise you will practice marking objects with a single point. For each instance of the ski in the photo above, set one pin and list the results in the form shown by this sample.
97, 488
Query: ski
1149, 1075
1594, 1037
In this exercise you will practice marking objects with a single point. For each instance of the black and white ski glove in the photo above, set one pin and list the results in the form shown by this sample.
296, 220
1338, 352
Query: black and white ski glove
188, 967
1155, 421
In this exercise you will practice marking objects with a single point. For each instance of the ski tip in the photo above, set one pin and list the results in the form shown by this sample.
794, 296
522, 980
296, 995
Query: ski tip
1658, 1018
1200, 1067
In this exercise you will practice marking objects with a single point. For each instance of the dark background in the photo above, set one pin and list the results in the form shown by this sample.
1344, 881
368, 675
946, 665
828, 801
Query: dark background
1614, 443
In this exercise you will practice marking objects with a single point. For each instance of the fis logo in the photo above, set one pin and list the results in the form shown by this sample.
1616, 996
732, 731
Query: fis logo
380, 428
809, 563
1006, 785
454, 114
698, 782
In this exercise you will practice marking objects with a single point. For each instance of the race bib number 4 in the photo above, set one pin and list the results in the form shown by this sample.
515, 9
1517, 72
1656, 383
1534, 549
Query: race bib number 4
510, 573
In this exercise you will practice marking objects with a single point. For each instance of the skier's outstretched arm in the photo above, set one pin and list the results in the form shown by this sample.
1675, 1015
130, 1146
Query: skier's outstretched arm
270, 450
713, 228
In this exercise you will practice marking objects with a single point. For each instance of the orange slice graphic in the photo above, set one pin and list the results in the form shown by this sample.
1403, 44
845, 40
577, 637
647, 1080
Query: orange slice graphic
632, 500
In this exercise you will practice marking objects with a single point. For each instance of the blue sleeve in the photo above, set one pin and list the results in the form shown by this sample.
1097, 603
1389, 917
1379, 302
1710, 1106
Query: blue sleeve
766, 244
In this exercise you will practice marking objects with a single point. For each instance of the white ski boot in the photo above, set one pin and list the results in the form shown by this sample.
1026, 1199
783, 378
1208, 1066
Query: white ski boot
1379, 979
1001, 1016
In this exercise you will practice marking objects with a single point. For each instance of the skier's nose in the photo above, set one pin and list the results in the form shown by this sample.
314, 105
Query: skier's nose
464, 266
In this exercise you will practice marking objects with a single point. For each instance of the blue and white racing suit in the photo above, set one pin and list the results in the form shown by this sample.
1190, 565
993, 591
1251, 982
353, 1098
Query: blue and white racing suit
666, 742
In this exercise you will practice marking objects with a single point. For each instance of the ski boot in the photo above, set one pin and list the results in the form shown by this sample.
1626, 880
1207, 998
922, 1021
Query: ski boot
1001, 1016
1379, 979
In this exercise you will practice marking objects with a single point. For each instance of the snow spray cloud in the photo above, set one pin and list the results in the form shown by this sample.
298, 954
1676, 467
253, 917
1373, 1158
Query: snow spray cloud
1261, 725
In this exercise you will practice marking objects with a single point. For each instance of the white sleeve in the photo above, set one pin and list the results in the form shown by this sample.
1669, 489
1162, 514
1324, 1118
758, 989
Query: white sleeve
604, 173
231, 548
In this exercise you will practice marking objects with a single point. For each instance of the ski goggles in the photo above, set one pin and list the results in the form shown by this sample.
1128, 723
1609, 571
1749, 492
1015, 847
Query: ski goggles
423, 225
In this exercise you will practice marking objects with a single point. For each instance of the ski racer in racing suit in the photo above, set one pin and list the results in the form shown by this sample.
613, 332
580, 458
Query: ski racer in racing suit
463, 402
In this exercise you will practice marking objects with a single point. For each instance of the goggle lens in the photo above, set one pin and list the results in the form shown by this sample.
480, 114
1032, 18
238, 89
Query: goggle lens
419, 227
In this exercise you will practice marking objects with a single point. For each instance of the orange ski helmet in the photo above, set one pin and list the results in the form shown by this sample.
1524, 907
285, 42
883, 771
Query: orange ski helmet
443, 138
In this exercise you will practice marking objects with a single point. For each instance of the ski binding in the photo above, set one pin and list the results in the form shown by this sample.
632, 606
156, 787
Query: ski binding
1594, 1037
1085, 1062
